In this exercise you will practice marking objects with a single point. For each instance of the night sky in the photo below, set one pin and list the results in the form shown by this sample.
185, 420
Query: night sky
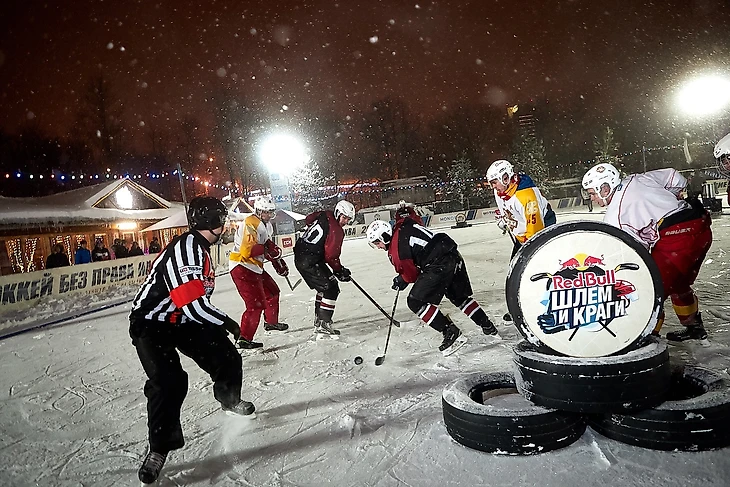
165, 58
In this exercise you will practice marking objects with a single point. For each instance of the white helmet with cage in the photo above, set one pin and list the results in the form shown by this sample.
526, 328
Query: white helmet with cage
498, 169
722, 155
599, 175
345, 208
262, 204
379, 230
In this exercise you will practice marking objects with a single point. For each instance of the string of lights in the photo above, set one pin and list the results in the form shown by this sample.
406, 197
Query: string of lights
108, 175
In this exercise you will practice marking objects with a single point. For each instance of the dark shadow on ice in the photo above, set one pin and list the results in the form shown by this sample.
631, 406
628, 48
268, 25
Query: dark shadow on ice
222, 464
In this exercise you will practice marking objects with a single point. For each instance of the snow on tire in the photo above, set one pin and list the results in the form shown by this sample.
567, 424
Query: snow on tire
485, 412
695, 418
619, 383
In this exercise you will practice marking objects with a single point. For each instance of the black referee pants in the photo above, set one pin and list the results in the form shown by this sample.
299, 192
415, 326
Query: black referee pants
157, 345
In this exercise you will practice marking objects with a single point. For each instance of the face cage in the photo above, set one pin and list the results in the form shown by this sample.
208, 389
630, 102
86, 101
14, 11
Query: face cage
723, 165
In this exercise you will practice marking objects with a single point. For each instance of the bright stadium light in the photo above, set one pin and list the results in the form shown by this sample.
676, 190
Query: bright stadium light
283, 154
703, 96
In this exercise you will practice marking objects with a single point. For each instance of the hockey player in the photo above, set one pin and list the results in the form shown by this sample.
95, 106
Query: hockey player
319, 247
172, 312
722, 157
406, 211
650, 208
251, 245
522, 209
521, 205
433, 264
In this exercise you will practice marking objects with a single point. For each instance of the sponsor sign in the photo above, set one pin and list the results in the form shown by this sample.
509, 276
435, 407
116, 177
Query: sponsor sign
23, 290
354, 231
587, 294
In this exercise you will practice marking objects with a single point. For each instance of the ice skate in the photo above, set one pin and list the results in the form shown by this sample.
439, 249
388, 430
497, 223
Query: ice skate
489, 329
695, 331
276, 326
453, 340
243, 409
323, 330
507, 318
151, 466
244, 344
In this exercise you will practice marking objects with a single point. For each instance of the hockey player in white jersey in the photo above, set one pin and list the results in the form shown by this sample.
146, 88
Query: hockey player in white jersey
650, 208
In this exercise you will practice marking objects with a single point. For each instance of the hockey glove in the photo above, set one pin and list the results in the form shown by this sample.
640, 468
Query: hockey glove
343, 274
399, 283
273, 252
232, 327
280, 267
502, 224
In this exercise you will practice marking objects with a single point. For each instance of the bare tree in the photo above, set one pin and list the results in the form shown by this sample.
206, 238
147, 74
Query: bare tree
471, 132
99, 120
237, 124
389, 138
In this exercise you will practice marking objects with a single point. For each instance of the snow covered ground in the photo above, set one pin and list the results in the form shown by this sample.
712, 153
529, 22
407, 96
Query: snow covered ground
73, 411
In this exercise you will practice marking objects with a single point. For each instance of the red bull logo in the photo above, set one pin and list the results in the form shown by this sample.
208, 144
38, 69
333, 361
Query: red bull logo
581, 261
583, 294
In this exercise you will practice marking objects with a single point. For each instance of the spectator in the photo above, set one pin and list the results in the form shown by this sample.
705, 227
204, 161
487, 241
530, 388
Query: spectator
58, 257
83, 255
155, 246
586, 199
228, 236
120, 249
100, 252
135, 250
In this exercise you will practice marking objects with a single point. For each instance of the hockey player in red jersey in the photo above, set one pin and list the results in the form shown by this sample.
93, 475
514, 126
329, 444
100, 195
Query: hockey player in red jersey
317, 258
433, 264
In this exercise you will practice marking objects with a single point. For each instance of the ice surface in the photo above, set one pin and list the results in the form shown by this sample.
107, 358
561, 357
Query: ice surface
74, 413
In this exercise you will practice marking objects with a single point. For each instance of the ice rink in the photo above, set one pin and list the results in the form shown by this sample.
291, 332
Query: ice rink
74, 414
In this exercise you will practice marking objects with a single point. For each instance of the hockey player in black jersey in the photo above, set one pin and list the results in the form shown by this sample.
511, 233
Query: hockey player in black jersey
433, 264
172, 314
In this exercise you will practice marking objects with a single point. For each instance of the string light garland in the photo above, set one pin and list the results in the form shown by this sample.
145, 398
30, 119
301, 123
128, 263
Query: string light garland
208, 184
15, 254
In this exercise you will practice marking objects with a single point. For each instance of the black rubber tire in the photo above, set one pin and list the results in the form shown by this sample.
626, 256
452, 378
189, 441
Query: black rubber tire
514, 288
695, 418
628, 382
523, 430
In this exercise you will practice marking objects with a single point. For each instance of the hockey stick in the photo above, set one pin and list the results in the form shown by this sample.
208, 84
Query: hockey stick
381, 359
295, 284
390, 317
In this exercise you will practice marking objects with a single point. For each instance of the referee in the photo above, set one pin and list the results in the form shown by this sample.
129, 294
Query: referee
172, 313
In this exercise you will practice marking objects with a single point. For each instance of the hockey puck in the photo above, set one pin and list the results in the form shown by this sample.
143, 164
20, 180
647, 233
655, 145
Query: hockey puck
358, 360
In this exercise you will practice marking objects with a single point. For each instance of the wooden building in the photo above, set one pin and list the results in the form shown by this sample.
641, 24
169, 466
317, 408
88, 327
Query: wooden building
121, 209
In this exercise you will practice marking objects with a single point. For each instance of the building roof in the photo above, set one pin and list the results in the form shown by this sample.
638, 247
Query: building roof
122, 199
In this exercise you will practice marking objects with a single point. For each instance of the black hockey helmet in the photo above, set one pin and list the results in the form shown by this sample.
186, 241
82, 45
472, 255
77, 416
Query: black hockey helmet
206, 213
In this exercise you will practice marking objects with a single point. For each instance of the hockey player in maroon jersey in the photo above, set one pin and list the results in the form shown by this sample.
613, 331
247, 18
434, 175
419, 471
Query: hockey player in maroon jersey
317, 258
433, 264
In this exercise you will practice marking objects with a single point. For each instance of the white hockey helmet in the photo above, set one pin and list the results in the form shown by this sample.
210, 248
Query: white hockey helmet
379, 230
599, 175
498, 169
722, 148
262, 204
345, 208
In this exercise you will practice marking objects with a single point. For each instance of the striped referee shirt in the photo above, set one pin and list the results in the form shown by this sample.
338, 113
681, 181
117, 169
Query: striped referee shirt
179, 286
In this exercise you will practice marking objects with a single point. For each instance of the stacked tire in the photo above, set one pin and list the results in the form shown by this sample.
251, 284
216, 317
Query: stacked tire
588, 357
